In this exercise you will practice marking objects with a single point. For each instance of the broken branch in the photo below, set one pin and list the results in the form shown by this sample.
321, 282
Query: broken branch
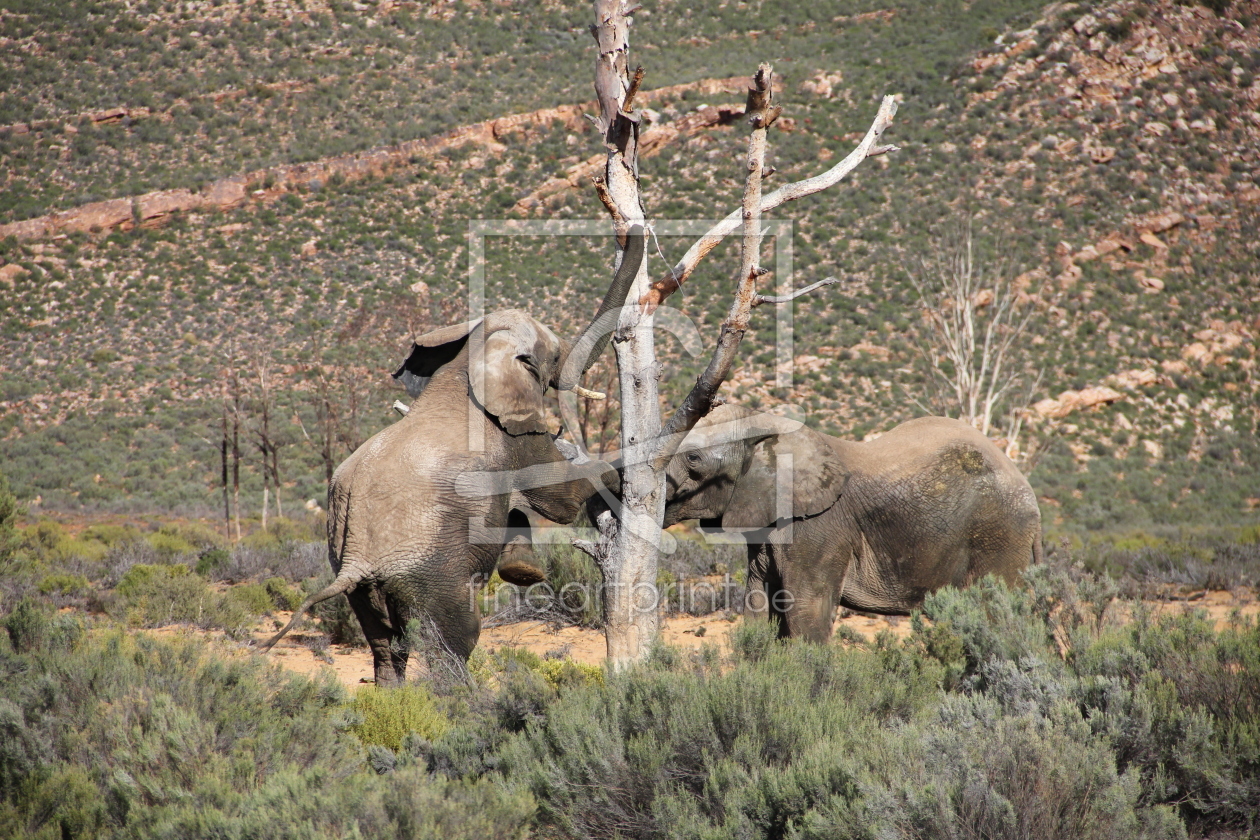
701, 398
671, 282
635, 81
760, 299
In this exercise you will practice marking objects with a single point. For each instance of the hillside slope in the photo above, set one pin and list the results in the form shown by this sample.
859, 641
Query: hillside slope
1105, 153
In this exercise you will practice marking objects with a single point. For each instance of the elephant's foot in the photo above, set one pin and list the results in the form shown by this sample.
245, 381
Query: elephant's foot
388, 678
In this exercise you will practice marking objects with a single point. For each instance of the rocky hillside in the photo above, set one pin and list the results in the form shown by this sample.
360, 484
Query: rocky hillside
283, 194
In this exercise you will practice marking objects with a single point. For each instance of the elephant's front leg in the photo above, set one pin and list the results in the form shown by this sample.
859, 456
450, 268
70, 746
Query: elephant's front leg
806, 596
757, 598
558, 488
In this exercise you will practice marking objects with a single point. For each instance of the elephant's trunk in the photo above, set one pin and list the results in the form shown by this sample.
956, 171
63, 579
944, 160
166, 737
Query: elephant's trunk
598, 333
350, 577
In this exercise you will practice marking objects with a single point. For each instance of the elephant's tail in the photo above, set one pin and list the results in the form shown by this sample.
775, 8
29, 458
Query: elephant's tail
350, 577
1037, 550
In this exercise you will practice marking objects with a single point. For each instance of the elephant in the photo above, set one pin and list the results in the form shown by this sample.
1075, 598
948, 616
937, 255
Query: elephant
872, 526
407, 539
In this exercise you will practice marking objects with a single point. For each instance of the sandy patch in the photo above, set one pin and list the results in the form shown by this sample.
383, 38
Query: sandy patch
353, 666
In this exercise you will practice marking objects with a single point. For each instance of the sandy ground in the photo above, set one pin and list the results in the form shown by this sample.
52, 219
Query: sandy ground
353, 666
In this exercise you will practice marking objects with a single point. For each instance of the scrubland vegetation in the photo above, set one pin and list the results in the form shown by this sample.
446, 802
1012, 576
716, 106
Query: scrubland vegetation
1059, 709
1033, 712
1055, 709
120, 346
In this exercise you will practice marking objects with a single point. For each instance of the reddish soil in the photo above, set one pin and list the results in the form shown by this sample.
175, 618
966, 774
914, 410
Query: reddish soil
353, 666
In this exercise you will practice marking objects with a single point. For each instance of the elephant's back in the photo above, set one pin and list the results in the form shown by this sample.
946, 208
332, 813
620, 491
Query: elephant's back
940, 495
398, 491
940, 449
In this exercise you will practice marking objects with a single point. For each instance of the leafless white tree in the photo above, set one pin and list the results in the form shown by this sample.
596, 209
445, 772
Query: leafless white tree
979, 324
629, 544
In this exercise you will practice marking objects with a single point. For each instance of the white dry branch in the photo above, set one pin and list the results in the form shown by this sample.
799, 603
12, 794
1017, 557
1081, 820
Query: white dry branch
978, 321
628, 547
869, 147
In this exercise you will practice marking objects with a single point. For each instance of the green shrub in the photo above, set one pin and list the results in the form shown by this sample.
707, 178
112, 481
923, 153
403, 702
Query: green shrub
283, 596
170, 545
978, 769
63, 585
557, 673
212, 560
154, 595
116, 735
48, 542
112, 535
253, 597
336, 618
27, 625
753, 641
760, 748
418, 807
32, 626
9, 512
261, 540
287, 530
990, 620
385, 717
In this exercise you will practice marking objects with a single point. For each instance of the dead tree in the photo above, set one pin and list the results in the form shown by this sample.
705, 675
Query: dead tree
266, 440
230, 447
224, 441
628, 548
978, 323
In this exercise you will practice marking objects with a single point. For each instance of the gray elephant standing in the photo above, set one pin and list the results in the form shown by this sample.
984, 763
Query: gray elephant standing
872, 526
406, 538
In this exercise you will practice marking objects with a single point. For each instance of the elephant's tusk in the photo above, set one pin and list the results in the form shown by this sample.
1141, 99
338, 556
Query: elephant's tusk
590, 395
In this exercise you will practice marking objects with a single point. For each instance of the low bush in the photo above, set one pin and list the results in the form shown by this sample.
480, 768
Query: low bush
254, 598
295, 561
283, 596
63, 585
384, 717
1050, 709
156, 595
111, 735
335, 616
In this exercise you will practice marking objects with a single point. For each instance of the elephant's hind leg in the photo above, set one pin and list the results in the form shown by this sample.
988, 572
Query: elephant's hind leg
446, 624
389, 659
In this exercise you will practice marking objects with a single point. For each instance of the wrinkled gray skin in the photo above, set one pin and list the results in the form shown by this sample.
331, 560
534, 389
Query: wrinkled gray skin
412, 535
872, 526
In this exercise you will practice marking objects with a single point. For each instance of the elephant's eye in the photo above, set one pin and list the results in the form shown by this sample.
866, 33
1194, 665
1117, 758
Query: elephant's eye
530, 365
693, 458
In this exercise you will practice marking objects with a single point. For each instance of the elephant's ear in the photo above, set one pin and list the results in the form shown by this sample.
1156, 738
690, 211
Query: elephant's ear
430, 352
817, 480
510, 370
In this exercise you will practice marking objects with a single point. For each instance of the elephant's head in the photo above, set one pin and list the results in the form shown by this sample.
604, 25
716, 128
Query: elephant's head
733, 468
513, 359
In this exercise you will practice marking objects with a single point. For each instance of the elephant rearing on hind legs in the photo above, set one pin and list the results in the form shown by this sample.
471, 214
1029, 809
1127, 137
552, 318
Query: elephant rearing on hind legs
405, 543
873, 526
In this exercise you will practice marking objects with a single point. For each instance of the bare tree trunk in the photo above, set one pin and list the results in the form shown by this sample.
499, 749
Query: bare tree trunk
328, 437
628, 547
223, 461
631, 544
236, 453
275, 475
264, 436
